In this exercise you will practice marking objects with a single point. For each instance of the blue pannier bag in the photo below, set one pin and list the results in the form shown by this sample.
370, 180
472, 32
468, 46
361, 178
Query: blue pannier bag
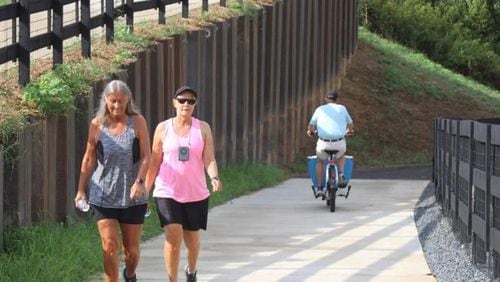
311, 167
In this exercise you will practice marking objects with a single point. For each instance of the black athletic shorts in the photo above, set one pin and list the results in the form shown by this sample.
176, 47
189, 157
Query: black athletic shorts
192, 216
130, 215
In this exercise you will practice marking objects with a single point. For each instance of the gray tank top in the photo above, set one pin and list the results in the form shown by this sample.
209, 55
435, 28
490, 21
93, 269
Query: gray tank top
117, 167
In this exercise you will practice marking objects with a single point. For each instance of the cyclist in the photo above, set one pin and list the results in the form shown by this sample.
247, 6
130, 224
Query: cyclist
331, 122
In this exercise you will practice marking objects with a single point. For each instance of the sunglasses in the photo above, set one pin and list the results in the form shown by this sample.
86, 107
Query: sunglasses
184, 100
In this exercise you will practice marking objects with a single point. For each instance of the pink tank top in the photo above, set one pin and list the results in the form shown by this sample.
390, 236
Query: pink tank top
183, 181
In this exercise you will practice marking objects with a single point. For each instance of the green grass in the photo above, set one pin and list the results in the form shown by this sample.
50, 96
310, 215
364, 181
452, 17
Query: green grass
4, 2
72, 251
50, 252
414, 73
406, 72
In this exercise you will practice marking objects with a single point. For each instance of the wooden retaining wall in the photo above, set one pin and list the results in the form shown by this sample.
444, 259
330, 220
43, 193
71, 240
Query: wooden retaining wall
259, 79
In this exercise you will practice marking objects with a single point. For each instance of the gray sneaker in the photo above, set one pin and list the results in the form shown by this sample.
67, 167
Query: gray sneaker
190, 277
319, 192
342, 183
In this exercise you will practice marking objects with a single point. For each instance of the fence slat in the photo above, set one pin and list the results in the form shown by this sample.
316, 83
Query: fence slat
85, 28
1, 201
109, 21
25, 184
24, 42
57, 43
252, 73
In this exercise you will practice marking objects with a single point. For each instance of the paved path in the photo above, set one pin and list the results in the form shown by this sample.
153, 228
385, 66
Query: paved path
284, 234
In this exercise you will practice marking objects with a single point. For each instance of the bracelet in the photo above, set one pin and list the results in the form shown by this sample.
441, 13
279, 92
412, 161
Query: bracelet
139, 181
215, 178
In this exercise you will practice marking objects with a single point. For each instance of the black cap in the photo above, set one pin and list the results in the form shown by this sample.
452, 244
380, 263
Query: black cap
183, 89
332, 94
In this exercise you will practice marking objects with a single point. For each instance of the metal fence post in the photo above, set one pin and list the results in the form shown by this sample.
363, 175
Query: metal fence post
85, 27
57, 39
185, 8
24, 40
129, 11
109, 21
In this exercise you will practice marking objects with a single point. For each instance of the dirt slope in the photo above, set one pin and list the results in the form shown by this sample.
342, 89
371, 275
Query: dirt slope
397, 126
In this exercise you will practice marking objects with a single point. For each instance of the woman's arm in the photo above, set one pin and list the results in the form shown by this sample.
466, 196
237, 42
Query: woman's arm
88, 161
209, 157
156, 156
142, 133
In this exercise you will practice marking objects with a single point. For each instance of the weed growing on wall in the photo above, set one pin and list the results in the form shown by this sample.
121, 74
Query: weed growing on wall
54, 92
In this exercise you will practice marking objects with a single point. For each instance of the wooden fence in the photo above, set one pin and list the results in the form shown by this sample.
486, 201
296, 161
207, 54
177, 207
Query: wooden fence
22, 10
467, 181
259, 79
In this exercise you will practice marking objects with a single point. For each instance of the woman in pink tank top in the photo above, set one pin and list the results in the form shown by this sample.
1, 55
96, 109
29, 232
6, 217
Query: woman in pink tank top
182, 151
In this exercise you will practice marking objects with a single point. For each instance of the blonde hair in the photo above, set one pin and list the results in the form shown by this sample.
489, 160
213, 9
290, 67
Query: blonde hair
116, 86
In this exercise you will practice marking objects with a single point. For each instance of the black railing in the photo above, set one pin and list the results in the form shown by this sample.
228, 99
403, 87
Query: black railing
467, 181
23, 45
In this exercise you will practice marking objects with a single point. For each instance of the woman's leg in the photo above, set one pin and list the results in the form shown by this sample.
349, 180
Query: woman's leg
172, 251
192, 242
110, 248
131, 246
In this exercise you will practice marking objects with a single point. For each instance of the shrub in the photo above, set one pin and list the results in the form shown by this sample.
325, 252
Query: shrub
54, 92
452, 33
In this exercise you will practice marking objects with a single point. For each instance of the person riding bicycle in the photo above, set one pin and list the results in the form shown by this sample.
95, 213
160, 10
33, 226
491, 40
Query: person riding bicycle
331, 122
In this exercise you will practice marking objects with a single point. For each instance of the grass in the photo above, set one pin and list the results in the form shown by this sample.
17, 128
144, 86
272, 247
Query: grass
405, 68
72, 251
404, 91
5, 2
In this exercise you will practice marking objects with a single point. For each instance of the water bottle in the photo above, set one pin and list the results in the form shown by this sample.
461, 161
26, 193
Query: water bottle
83, 205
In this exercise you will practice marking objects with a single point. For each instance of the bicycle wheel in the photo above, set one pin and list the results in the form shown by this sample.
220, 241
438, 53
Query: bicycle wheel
332, 188
333, 196
327, 179
328, 193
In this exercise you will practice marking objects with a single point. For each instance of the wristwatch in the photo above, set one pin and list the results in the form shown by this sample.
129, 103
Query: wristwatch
215, 178
139, 181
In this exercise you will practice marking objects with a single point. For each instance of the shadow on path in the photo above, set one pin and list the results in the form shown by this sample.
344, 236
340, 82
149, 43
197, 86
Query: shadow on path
404, 172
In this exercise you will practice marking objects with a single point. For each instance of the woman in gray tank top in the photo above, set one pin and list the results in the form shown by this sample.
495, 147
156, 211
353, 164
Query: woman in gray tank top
116, 161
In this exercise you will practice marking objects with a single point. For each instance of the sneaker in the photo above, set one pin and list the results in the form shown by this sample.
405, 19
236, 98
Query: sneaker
128, 279
341, 182
190, 277
319, 192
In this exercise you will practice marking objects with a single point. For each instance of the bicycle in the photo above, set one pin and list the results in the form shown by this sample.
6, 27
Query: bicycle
332, 185
331, 177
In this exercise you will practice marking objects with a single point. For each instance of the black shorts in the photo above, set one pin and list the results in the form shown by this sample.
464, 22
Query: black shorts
130, 215
192, 216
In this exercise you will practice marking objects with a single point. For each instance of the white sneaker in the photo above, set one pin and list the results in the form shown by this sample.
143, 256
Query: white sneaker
319, 192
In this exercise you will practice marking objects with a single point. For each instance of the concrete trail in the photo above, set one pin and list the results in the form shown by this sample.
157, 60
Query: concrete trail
284, 234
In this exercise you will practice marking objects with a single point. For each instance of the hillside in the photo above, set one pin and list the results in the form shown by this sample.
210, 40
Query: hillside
393, 96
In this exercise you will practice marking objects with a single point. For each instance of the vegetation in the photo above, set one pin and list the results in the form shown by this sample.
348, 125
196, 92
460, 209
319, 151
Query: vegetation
72, 251
393, 95
462, 35
393, 83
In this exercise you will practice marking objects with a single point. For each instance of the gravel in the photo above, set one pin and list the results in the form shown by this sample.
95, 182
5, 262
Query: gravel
447, 257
